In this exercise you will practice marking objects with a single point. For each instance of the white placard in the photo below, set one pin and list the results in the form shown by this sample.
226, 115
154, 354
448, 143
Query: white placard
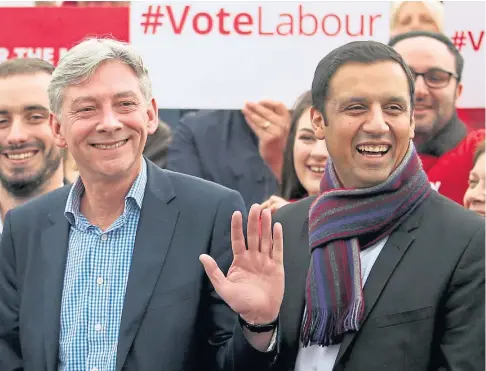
464, 24
217, 55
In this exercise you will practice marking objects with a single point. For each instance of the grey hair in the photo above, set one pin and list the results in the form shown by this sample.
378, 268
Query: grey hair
79, 64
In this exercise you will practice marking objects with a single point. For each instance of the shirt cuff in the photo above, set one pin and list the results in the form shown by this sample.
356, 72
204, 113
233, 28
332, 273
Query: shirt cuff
273, 341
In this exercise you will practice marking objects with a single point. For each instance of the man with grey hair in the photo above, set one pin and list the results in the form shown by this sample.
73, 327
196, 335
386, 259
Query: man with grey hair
31, 163
106, 274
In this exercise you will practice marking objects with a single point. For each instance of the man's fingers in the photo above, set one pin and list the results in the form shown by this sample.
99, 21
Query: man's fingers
215, 274
277, 252
253, 229
237, 236
266, 241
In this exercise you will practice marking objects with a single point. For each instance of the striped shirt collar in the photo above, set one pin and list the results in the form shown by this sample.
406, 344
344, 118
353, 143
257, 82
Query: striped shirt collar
136, 193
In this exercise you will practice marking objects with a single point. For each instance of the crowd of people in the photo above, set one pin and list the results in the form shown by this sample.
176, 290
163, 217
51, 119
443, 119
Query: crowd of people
344, 233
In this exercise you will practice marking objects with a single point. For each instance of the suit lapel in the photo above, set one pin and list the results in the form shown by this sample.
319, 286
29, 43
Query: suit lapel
296, 266
156, 226
385, 264
54, 245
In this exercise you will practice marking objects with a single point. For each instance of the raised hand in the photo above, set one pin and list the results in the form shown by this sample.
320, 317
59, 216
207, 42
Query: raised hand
254, 285
270, 121
274, 203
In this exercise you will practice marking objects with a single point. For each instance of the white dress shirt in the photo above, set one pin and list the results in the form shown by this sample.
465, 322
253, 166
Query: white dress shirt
317, 358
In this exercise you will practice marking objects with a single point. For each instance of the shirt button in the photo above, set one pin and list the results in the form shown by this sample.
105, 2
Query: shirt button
104, 237
99, 280
98, 327
94, 369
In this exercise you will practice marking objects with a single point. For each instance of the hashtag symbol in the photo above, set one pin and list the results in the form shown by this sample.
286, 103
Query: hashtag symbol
151, 19
459, 39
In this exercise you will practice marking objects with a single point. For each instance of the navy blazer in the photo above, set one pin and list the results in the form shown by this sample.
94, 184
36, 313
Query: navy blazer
172, 318
219, 146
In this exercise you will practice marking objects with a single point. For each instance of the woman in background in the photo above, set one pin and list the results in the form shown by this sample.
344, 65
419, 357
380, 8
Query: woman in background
474, 198
305, 158
416, 16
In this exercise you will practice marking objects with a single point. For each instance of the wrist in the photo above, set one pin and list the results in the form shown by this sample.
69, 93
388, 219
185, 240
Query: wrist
258, 326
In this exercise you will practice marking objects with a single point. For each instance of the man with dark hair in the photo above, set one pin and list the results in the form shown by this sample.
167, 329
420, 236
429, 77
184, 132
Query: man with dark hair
379, 273
30, 164
441, 138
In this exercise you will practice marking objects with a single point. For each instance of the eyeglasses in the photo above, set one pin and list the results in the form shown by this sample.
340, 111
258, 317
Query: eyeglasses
435, 78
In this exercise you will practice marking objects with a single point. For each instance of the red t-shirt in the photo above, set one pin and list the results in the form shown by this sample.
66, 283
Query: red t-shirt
449, 173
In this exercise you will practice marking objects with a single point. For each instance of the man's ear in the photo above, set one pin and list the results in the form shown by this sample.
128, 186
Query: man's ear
153, 117
318, 123
412, 127
459, 91
55, 125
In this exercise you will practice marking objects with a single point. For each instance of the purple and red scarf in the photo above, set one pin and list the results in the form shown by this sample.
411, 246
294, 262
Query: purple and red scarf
337, 218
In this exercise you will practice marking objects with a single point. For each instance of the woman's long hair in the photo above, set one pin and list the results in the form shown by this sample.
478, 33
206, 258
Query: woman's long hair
291, 188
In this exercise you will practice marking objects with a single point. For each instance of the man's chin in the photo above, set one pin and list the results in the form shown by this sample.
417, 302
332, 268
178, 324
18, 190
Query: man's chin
22, 187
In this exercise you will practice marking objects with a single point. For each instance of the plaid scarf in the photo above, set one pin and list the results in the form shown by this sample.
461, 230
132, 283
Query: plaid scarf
337, 218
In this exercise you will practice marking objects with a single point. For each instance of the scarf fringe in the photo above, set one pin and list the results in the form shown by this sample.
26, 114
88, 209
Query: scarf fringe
324, 328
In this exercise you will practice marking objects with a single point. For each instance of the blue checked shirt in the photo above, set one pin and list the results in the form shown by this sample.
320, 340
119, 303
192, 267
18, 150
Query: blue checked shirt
95, 282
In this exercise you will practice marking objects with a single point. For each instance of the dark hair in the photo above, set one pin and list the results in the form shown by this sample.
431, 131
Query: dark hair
366, 52
437, 36
24, 66
478, 152
291, 188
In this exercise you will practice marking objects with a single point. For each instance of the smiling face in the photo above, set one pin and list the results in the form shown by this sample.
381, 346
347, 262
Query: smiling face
310, 155
434, 106
105, 123
369, 125
29, 156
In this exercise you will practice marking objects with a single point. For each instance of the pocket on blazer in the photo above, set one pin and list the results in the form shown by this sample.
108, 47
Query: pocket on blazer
404, 317
172, 296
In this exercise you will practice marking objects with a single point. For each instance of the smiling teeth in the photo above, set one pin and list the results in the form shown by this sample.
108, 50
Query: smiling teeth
380, 148
317, 169
111, 146
20, 156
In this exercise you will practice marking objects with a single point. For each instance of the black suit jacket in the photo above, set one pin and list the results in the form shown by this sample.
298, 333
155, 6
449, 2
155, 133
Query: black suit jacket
424, 297
219, 146
172, 319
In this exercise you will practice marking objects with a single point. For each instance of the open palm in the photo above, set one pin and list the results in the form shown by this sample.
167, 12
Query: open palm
254, 285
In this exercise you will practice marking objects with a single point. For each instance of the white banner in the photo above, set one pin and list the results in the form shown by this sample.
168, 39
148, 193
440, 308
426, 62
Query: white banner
464, 24
217, 55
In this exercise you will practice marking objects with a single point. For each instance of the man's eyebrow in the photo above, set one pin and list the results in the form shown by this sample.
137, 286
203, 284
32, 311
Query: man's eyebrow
82, 99
125, 94
28, 108
36, 107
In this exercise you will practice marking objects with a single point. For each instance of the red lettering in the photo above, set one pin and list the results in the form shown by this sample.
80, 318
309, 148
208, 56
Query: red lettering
177, 28
361, 28
301, 22
238, 22
475, 46
260, 32
289, 24
196, 26
373, 18
222, 15
324, 23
